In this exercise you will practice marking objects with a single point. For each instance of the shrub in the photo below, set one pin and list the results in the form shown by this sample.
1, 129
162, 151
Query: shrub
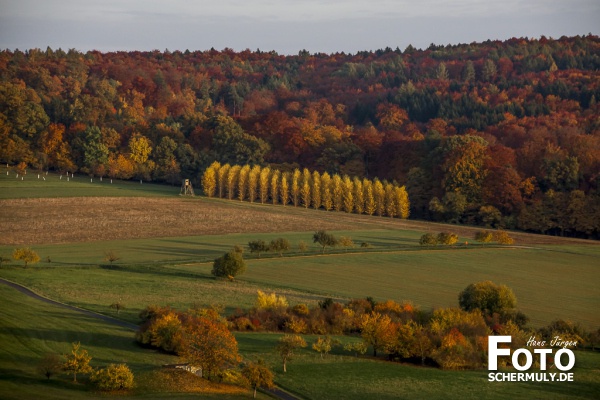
296, 325
484, 236
447, 238
502, 237
113, 377
428, 239
346, 241
280, 245
302, 246
229, 265
270, 301
300, 309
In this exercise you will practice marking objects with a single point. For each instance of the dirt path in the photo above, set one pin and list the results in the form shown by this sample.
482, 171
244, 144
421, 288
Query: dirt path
92, 314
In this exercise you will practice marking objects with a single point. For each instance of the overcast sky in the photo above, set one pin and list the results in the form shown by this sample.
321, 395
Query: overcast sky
285, 26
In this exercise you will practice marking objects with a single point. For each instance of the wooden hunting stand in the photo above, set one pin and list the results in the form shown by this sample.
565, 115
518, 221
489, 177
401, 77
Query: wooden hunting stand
186, 188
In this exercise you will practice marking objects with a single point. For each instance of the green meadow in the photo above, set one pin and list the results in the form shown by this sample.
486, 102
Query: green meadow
53, 185
550, 281
29, 329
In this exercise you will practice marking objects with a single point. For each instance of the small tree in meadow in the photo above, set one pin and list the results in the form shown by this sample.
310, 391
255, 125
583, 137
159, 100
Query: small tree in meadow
50, 365
286, 347
27, 255
280, 245
258, 246
346, 241
78, 362
323, 345
111, 256
229, 265
302, 246
324, 239
258, 375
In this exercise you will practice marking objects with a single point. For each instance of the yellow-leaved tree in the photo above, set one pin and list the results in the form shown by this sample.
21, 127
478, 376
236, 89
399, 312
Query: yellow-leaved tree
347, 194
326, 197
379, 197
390, 200
305, 188
295, 187
284, 189
26, 254
209, 179
222, 174
377, 330
337, 192
370, 206
274, 186
286, 347
359, 196
316, 190
263, 184
253, 177
242, 182
258, 375
402, 203
78, 362
232, 178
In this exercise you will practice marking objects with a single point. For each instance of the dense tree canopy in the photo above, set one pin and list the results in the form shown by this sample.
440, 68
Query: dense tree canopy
511, 125
487, 297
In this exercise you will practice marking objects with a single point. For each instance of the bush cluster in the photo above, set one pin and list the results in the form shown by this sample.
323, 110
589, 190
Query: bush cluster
445, 238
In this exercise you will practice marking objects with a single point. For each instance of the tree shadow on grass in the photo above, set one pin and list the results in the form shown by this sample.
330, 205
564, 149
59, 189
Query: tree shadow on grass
155, 270
22, 378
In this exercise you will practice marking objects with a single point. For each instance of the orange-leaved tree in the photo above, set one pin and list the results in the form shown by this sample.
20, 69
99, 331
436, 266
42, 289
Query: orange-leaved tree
208, 344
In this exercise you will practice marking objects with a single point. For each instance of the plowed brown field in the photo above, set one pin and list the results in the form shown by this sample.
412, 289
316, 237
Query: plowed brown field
83, 219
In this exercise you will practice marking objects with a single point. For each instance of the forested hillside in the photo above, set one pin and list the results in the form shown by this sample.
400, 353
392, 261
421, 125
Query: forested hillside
495, 133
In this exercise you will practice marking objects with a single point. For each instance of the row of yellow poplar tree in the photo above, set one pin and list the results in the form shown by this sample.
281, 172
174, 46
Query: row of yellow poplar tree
306, 189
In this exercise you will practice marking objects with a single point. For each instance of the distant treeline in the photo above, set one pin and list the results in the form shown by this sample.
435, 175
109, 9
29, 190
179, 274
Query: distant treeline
504, 134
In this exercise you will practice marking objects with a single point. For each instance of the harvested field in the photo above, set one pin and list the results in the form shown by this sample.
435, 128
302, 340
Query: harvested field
86, 219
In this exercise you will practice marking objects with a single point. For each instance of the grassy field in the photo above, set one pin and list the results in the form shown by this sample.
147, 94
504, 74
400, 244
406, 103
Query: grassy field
166, 245
549, 283
29, 329
340, 376
29, 186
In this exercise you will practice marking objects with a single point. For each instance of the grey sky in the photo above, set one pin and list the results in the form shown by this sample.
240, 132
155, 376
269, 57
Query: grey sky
286, 26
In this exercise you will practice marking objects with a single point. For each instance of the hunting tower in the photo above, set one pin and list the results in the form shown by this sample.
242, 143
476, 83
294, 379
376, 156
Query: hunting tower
186, 188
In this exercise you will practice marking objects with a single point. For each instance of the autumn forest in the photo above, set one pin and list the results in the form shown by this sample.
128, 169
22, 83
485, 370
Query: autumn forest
498, 134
